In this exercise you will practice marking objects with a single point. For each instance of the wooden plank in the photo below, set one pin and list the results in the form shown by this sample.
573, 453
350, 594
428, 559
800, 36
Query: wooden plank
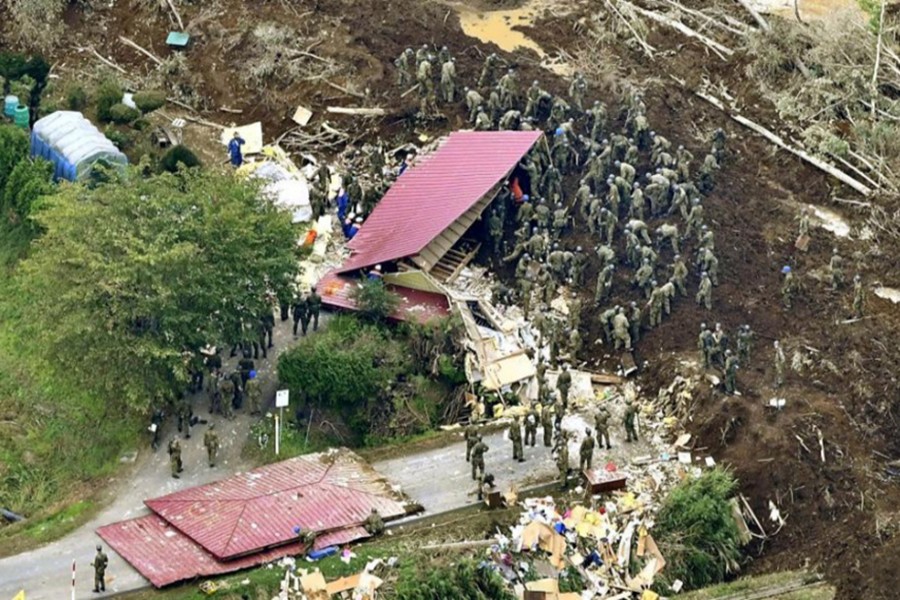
463, 263
605, 378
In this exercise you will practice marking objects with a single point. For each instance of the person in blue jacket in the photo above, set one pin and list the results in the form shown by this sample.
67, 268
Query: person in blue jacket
234, 150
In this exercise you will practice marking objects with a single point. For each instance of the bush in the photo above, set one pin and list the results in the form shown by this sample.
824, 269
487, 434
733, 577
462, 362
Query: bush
179, 157
343, 366
120, 139
374, 301
149, 101
76, 98
697, 532
13, 150
122, 114
27, 182
108, 94
465, 579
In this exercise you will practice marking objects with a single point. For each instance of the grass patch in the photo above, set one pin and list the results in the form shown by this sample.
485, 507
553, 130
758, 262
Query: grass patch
55, 437
260, 447
763, 582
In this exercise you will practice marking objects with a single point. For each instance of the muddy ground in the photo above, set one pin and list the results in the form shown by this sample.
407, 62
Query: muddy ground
841, 513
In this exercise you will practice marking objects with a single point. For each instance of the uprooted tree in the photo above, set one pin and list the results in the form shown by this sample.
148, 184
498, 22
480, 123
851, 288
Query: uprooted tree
697, 532
136, 275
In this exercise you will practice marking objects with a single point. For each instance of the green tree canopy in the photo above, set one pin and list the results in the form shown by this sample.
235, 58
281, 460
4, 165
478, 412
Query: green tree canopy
129, 275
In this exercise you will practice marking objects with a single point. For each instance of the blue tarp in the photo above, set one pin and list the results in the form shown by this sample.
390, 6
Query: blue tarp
72, 144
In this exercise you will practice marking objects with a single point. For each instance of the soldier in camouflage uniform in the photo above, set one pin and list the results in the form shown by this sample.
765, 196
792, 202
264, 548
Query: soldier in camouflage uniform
629, 419
586, 451
515, 436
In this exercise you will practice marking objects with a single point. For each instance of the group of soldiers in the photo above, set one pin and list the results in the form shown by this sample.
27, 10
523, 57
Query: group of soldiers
715, 351
614, 203
548, 413
305, 309
791, 286
210, 442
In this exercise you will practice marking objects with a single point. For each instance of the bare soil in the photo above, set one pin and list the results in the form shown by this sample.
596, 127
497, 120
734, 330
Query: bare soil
839, 512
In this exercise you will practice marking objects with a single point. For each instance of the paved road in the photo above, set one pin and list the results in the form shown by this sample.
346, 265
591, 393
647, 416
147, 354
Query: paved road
441, 479
45, 573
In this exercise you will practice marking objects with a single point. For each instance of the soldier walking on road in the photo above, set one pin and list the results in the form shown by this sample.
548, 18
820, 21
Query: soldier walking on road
601, 425
211, 442
300, 310
531, 425
629, 421
779, 364
315, 306
586, 451
254, 393
515, 436
100, 563
478, 451
471, 437
175, 458
227, 390
563, 384
547, 424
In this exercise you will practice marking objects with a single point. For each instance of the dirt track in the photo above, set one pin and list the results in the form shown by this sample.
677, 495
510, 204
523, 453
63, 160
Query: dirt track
831, 507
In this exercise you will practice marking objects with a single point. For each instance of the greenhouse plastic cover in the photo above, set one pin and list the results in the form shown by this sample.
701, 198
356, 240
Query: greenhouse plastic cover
73, 144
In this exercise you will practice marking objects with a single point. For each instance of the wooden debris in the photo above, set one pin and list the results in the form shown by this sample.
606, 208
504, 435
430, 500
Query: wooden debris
648, 49
366, 112
343, 89
141, 49
177, 16
105, 60
764, 25
813, 160
236, 111
713, 45
605, 378
410, 90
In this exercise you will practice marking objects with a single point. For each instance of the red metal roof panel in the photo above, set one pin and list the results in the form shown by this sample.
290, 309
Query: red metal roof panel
164, 555
249, 512
415, 305
431, 195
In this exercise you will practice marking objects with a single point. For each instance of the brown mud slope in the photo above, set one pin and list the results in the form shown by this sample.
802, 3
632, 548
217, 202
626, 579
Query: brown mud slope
841, 513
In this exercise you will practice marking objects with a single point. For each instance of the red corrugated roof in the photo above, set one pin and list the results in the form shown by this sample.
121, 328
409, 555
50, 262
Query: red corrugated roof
415, 305
430, 196
164, 555
253, 511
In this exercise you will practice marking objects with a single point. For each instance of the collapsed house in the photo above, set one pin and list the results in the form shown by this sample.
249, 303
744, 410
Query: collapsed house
426, 230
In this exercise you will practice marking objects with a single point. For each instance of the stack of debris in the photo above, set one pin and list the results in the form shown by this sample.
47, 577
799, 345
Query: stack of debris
606, 539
